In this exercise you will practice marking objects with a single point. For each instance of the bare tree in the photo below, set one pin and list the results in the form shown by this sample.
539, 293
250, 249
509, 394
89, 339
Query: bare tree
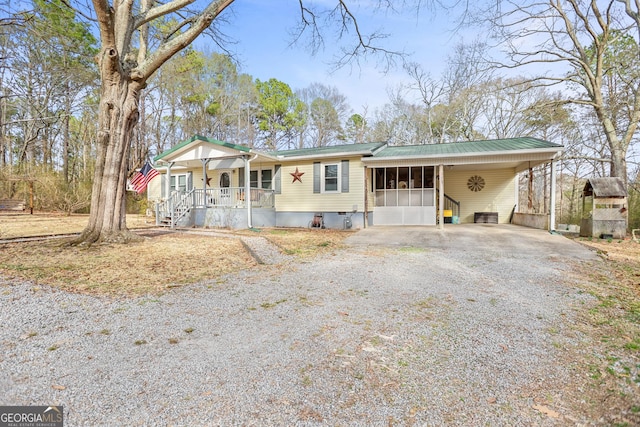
590, 49
454, 102
327, 109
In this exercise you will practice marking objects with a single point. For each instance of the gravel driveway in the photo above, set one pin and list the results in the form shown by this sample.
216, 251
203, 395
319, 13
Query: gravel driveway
406, 326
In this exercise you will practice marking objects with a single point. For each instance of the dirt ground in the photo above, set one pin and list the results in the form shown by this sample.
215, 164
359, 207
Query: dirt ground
607, 346
145, 267
149, 267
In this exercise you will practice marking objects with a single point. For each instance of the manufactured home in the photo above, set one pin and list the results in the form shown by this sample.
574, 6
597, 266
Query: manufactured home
209, 183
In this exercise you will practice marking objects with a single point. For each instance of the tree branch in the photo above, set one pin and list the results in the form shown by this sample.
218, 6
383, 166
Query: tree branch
166, 50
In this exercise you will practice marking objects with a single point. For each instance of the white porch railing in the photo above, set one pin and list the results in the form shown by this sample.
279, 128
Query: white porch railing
181, 203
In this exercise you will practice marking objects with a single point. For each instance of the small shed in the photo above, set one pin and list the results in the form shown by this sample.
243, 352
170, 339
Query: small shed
604, 208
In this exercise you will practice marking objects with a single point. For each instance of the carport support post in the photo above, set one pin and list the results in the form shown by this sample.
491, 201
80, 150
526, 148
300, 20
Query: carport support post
441, 197
552, 197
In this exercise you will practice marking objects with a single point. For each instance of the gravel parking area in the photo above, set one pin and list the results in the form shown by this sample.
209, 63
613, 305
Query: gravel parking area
413, 327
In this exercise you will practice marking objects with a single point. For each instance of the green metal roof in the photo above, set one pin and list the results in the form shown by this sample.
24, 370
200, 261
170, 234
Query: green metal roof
379, 150
203, 139
462, 148
366, 148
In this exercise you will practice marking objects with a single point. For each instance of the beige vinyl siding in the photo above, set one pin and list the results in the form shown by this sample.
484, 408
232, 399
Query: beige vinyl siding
498, 194
154, 188
371, 195
299, 196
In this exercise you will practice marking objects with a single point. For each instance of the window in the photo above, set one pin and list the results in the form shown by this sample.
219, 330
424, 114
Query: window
179, 183
253, 179
330, 177
266, 179
261, 179
404, 186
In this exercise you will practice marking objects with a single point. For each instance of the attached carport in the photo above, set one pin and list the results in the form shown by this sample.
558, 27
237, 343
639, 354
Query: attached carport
481, 176
495, 240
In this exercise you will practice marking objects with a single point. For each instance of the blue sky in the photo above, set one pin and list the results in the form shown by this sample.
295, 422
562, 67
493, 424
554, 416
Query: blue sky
262, 32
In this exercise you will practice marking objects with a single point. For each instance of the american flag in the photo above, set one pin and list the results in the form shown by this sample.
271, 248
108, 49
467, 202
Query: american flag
142, 177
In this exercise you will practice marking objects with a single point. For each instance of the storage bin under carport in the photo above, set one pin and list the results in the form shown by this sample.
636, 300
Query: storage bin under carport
485, 217
448, 216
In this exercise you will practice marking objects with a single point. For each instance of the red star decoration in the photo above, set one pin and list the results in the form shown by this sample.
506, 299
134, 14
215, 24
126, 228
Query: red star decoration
297, 175
208, 181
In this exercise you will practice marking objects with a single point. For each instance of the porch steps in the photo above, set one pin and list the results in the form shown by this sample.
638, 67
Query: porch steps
166, 221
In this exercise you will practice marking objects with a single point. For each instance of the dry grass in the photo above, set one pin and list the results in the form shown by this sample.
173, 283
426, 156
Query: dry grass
137, 268
613, 324
43, 224
160, 261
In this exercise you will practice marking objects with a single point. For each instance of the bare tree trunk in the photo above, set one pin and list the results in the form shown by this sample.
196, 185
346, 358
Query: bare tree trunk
619, 163
117, 118
4, 145
66, 136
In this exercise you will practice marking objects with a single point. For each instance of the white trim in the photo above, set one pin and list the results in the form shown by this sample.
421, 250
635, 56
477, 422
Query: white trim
334, 155
552, 198
428, 157
323, 181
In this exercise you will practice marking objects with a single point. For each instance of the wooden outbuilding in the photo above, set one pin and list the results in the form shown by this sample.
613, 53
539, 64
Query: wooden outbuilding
604, 209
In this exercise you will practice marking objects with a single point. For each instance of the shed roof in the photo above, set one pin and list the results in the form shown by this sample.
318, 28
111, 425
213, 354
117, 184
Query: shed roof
605, 187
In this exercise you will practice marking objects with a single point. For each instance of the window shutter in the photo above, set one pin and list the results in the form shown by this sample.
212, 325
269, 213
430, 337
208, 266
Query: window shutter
190, 181
316, 177
241, 177
163, 185
277, 180
345, 176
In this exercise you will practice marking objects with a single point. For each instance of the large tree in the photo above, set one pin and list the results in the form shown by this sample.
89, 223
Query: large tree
126, 62
596, 42
125, 66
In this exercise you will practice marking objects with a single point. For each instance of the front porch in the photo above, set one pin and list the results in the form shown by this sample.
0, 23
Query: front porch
217, 207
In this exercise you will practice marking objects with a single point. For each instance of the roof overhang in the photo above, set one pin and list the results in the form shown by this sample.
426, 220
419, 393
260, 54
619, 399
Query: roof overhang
197, 150
518, 159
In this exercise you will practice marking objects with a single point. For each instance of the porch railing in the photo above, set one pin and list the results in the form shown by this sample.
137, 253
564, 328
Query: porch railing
450, 204
181, 203
233, 197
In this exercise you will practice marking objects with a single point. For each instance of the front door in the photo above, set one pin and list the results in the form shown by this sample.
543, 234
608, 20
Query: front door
225, 188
